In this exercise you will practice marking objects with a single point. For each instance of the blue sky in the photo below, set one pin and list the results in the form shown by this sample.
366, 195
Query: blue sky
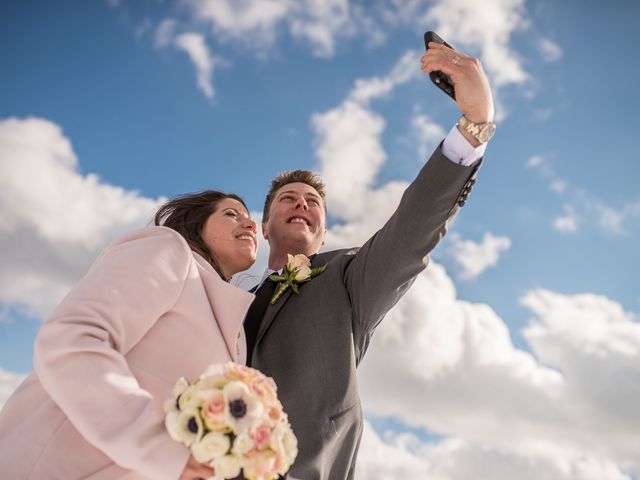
107, 107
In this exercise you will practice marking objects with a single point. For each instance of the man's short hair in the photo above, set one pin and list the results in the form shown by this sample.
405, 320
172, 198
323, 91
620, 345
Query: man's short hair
294, 176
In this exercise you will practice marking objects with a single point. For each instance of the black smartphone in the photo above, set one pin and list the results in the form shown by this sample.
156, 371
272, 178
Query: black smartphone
440, 79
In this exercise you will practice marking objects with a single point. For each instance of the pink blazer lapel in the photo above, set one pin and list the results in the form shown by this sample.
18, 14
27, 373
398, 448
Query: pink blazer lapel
229, 305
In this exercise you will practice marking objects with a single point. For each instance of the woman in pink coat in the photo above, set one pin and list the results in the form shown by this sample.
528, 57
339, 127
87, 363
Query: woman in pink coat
156, 305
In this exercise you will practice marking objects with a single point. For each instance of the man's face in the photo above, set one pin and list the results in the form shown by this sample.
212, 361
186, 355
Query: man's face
296, 218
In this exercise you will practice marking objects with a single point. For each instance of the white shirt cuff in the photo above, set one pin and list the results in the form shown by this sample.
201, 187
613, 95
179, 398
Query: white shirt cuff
458, 149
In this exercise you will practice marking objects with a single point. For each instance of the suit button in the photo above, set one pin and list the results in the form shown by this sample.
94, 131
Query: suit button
461, 203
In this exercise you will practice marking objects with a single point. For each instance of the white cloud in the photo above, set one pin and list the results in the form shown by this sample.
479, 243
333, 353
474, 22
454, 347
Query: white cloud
450, 366
551, 51
474, 258
195, 46
595, 344
534, 161
8, 383
400, 456
584, 207
615, 220
55, 220
165, 32
350, 154
380, 460
428, 133
543, 166
484, 26
254, 21
349, 147
405, 69
568, 223
257, 23
320, 22
558, 186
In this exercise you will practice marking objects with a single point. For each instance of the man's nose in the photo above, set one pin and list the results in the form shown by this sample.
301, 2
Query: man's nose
302, 203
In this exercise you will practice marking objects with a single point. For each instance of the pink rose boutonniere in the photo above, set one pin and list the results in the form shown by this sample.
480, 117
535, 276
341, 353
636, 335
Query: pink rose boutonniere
297, 271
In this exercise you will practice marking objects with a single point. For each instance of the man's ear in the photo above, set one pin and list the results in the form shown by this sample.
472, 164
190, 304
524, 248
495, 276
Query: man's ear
264, 231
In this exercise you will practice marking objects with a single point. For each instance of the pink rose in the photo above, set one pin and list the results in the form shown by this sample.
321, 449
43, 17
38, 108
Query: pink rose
261, 436
213, 412
241, 372
261, 465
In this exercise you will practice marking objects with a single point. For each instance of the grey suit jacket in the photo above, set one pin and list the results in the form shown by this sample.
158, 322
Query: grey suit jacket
312, 343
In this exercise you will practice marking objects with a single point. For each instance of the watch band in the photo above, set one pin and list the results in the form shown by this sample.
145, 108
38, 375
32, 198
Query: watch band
480, 131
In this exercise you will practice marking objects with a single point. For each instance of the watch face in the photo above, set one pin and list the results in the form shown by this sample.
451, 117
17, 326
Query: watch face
486, 132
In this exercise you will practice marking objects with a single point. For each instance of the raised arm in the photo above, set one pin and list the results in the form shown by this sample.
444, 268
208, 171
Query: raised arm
388, 262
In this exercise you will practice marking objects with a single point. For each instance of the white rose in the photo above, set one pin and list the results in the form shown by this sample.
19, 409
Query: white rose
227, 466
242, 444
297, 261
213, 445
181, 385
303, 273
189, 398
285, 444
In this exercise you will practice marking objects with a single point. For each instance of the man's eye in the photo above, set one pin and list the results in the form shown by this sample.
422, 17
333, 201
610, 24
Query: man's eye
314, 201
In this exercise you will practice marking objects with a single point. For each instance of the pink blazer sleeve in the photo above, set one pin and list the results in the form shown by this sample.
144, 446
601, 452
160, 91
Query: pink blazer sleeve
79, 352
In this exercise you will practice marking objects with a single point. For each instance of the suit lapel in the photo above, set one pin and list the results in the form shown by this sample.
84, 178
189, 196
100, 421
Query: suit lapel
271, 312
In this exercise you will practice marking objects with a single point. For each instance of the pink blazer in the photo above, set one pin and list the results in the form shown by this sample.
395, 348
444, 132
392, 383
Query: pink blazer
148, 311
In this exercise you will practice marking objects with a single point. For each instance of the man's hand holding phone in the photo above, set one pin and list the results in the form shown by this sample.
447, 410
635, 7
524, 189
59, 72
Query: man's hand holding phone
469, 84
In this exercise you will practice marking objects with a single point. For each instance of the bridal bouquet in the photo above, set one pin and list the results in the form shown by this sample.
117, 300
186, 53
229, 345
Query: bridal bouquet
233, 421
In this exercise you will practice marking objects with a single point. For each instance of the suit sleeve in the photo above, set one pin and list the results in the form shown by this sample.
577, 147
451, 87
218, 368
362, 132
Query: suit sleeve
79, 352
386, 265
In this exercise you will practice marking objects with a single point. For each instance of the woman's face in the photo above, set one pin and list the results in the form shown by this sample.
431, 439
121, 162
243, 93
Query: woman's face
231, 237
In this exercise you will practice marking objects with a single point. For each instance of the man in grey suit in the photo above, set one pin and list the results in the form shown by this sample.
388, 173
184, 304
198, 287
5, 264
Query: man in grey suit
312, 342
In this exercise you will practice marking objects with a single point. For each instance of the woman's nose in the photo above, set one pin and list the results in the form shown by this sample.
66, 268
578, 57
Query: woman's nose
250, 225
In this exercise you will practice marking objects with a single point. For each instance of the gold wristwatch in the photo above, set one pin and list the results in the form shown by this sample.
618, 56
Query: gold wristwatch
480, 131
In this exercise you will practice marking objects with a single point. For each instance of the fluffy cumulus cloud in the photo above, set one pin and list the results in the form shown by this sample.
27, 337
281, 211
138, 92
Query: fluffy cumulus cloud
255, 27
484, 26
350, 151
55, 219
257, 23
567, 411
396, 456
474, 258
